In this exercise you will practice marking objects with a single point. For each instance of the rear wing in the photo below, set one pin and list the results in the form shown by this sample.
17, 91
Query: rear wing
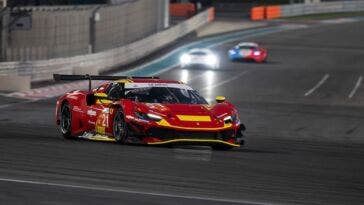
60, 77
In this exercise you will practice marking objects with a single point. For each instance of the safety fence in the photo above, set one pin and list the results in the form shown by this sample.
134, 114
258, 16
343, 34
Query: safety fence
42, 70
272, 12
46, 32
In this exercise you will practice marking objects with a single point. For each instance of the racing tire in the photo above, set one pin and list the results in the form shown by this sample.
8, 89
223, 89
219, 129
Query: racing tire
65, 120
120, 128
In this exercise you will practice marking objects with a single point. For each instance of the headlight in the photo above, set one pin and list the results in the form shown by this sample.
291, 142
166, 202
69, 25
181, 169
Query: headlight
228, 119
141, 116
147, 116
154, 117
185, 59
232, 52
211, 59
231, 119
256, 53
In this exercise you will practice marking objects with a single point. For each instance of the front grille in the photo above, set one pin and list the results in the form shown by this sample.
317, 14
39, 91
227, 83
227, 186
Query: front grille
169, 134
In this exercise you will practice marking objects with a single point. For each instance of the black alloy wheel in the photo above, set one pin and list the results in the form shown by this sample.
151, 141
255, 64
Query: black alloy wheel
120, 129
65, 120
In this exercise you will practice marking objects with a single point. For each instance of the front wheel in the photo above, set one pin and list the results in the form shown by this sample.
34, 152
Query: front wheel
120, 129
65, 120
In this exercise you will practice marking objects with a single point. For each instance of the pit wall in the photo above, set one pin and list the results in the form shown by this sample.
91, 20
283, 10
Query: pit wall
42, 70
277, 11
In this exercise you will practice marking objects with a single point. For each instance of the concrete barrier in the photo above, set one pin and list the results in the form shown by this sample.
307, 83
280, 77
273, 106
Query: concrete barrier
14, 83
324, 7
85, 70
43, 70
271, 12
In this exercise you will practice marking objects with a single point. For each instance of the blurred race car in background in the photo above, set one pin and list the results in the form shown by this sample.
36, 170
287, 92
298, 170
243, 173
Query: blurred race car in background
146, 111
248, 51
199, 57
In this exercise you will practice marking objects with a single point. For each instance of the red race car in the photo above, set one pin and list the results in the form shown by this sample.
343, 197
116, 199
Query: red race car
248, 51
146, 110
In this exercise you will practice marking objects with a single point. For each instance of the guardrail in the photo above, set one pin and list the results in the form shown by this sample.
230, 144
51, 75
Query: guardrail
43, 70
271, 12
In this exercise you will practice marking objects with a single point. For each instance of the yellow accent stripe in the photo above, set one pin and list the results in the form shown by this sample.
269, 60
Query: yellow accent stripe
102, 138
102, 101
100, 95
194, 118
164, 123
194, 140
125, 81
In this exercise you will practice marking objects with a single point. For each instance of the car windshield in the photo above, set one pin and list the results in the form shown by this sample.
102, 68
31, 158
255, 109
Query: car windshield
246, 47
167, 95
198, 53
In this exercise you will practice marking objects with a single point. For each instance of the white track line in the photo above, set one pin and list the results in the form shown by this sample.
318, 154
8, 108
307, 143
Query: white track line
357, 85
95, 188
322, 81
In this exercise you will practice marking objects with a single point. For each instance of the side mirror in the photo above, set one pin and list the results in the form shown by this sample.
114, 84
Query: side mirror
220, 99
90, 99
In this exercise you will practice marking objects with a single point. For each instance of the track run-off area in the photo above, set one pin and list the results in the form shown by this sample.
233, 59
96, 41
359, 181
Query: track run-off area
304, 112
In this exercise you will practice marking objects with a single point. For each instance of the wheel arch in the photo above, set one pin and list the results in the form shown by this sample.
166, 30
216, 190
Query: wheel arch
60, 105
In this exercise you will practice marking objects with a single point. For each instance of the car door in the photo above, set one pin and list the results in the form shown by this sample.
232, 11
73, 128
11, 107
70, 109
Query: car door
95, 110
102, 111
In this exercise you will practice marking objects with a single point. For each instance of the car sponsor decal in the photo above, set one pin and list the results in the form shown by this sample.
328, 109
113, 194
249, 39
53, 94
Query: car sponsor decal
76, 109
91, 112
106, 110
91, 122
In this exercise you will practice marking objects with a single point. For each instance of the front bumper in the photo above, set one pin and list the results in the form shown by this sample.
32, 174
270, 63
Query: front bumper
159, 136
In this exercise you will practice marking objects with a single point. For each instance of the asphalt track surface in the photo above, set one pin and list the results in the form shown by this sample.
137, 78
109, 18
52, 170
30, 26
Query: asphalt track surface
305, 139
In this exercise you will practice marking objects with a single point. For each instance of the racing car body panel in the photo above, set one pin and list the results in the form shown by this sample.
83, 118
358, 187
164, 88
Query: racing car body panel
154, 111
248, 51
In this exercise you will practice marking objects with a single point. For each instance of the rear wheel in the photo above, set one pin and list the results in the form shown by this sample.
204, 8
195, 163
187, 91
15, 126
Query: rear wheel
120, 129
65, 120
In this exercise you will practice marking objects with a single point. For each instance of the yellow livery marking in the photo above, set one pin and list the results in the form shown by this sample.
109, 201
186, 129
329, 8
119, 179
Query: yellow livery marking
220, 98
102, 101
125, 81
194, 118
102, 138
100, 95
194, 140
100, 129
164, 123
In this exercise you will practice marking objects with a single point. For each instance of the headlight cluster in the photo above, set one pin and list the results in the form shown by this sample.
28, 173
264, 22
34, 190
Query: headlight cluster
148, 116
231, 119
185, 59
256, 53
211, 60
232, 52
